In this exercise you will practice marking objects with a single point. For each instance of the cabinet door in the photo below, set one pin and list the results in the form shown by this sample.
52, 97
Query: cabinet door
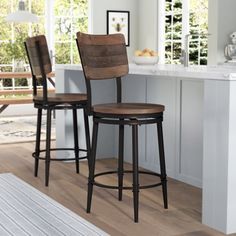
162, 90
191, 132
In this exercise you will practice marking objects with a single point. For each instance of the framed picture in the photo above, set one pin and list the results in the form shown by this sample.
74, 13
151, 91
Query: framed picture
118, 22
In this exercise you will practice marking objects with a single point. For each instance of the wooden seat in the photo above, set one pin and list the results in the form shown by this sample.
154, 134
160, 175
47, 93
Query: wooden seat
129, 109
40, 64
64, 98
105, 57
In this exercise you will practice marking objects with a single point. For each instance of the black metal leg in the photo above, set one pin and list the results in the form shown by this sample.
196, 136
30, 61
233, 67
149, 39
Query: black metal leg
92, 166
162, 164
76, 141
121, 161
48, 146
37, 144
135, 171
87, 136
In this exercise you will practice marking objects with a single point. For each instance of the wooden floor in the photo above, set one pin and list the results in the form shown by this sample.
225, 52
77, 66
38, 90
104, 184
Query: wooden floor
116, 218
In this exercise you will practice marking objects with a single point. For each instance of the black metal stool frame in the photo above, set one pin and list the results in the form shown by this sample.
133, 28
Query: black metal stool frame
121, 120
49, 107
134, 121
48, 148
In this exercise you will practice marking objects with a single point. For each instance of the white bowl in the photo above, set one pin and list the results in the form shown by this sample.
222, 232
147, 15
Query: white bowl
145, 60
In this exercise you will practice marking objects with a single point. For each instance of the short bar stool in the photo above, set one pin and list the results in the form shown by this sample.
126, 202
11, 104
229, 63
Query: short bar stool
105, 57
40, 64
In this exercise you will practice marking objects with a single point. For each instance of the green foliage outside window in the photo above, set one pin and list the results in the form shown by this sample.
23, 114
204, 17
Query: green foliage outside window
70, 16
198, 23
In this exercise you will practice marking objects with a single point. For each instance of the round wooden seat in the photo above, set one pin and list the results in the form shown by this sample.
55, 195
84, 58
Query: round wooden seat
128, 108
62, 98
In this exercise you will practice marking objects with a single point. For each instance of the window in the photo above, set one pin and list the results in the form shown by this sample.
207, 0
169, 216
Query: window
12, 37
186, 17
69, 16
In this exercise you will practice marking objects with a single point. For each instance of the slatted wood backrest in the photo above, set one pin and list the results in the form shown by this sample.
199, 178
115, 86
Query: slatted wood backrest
103, 56
38, 53
40, 63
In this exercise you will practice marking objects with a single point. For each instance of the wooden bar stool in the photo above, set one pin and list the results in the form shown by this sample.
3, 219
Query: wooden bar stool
40, 64
105, 57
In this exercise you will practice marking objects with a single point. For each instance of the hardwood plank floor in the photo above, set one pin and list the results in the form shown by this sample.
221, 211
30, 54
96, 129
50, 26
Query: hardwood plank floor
70, 189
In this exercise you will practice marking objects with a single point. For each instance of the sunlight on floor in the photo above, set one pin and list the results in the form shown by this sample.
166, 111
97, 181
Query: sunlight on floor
21, 129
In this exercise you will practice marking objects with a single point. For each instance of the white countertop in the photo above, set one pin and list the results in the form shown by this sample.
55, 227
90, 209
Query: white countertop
217, 72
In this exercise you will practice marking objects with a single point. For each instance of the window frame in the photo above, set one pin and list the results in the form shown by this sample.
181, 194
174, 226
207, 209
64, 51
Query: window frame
49, 32
185, 28
49, 29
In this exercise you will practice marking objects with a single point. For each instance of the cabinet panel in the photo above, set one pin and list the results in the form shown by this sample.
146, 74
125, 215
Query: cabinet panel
134, 90
191, 136
162, 91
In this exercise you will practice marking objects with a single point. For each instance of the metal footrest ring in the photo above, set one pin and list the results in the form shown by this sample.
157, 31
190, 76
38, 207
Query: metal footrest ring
126, 187
60, 159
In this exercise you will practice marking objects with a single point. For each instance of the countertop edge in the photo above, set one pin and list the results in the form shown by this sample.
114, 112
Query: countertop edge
222, 73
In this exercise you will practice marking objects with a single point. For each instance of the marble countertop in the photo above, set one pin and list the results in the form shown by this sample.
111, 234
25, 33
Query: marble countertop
217, 72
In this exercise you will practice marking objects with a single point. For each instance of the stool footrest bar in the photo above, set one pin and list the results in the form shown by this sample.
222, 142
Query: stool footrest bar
126, 187
60, 159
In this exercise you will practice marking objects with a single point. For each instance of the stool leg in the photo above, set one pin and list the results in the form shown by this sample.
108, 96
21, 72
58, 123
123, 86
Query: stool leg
76, 141
121, 161
37, 144
87, 136
162, 164
92, 166
135, 171
48, 146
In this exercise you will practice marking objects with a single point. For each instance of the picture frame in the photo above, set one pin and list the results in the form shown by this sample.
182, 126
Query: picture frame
119, 22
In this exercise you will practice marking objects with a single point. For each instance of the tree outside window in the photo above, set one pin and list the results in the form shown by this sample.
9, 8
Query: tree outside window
70, 16
176, 24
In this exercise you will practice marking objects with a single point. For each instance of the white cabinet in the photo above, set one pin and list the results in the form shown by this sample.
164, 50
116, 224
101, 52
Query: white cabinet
133, 90
191, 132
104, 91
163, 91
182, 125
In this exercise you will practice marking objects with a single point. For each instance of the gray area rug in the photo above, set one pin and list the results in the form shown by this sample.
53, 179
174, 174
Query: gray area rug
21, 129
26, 211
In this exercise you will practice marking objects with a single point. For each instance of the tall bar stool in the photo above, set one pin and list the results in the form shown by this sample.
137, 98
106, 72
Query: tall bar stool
40, 64
105, 57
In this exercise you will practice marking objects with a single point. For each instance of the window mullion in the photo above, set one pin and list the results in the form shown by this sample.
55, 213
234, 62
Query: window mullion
185, 20
49, 25
161, 31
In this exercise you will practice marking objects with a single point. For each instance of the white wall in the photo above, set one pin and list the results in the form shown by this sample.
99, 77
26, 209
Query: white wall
98, 14
147, 24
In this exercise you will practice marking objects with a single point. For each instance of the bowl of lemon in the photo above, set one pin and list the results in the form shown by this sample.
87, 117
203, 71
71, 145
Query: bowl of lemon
145, 57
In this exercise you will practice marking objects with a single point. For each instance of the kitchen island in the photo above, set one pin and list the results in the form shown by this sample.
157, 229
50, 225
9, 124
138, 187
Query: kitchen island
199, 128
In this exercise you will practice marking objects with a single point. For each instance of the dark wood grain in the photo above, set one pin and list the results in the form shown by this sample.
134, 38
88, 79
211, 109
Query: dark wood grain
128, 108
31, 44
62, 98
103, 56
